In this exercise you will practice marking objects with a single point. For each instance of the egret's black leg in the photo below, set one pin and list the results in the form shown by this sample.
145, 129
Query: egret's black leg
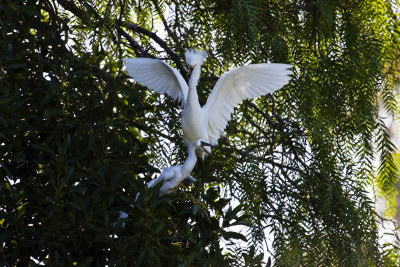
203, 178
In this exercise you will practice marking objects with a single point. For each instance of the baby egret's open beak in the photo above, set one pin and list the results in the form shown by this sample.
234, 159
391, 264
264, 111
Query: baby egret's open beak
203, 144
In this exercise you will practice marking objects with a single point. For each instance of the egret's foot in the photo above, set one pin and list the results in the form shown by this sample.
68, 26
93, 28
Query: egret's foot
189, 180
181, 185
202, 204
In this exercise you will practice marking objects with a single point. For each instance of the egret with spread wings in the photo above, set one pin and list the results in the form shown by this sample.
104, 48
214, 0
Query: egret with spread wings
207, 122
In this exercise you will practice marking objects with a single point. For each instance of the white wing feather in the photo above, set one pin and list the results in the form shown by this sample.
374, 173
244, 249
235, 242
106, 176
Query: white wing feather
159, 76
237, 85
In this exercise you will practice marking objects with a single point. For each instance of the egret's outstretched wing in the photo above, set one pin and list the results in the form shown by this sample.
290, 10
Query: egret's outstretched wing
239, 84
159, 76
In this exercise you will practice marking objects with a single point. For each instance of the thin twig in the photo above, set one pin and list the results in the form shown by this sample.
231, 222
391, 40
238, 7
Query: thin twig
164, 21
159, 41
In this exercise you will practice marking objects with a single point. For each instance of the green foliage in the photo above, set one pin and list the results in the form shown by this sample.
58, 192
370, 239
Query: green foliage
174, 230
78, 140
72, 156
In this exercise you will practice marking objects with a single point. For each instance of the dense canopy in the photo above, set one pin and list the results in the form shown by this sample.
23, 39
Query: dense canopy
79, 139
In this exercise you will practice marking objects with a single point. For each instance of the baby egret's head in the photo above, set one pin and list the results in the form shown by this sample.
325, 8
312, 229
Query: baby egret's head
195, 58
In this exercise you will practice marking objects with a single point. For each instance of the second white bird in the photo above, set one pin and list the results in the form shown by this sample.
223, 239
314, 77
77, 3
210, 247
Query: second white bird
173, 176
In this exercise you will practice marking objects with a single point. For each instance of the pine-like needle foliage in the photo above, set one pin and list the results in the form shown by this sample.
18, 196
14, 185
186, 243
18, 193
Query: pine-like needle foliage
78, 139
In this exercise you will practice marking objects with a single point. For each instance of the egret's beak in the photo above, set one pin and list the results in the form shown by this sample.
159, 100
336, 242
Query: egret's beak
203, 144
191, 68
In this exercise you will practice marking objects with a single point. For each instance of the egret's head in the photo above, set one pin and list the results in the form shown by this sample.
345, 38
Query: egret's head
195, 58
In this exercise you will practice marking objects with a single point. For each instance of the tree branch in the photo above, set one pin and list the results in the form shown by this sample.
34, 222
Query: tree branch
70, 6
83, 15
134, 44
159, 41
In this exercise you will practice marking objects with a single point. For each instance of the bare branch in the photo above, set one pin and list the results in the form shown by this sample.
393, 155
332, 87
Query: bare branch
159, 41
134, 44
70, 6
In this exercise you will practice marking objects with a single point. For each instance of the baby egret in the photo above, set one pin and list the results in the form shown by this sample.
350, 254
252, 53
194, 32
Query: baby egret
173, 176
208, 122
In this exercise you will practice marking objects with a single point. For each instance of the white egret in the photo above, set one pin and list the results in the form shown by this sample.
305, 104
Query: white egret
172, 177
208, 122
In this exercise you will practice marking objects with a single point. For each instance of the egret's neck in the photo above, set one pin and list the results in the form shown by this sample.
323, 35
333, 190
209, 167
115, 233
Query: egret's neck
190, 161
193, 81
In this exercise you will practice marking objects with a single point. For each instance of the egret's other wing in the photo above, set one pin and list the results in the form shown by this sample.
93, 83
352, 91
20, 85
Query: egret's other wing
232, 87
159, 76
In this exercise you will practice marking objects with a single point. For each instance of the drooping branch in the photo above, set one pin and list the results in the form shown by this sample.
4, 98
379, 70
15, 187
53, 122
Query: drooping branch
70, 6
83, 15
134, 44
282, 122
166, 27
158, 40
